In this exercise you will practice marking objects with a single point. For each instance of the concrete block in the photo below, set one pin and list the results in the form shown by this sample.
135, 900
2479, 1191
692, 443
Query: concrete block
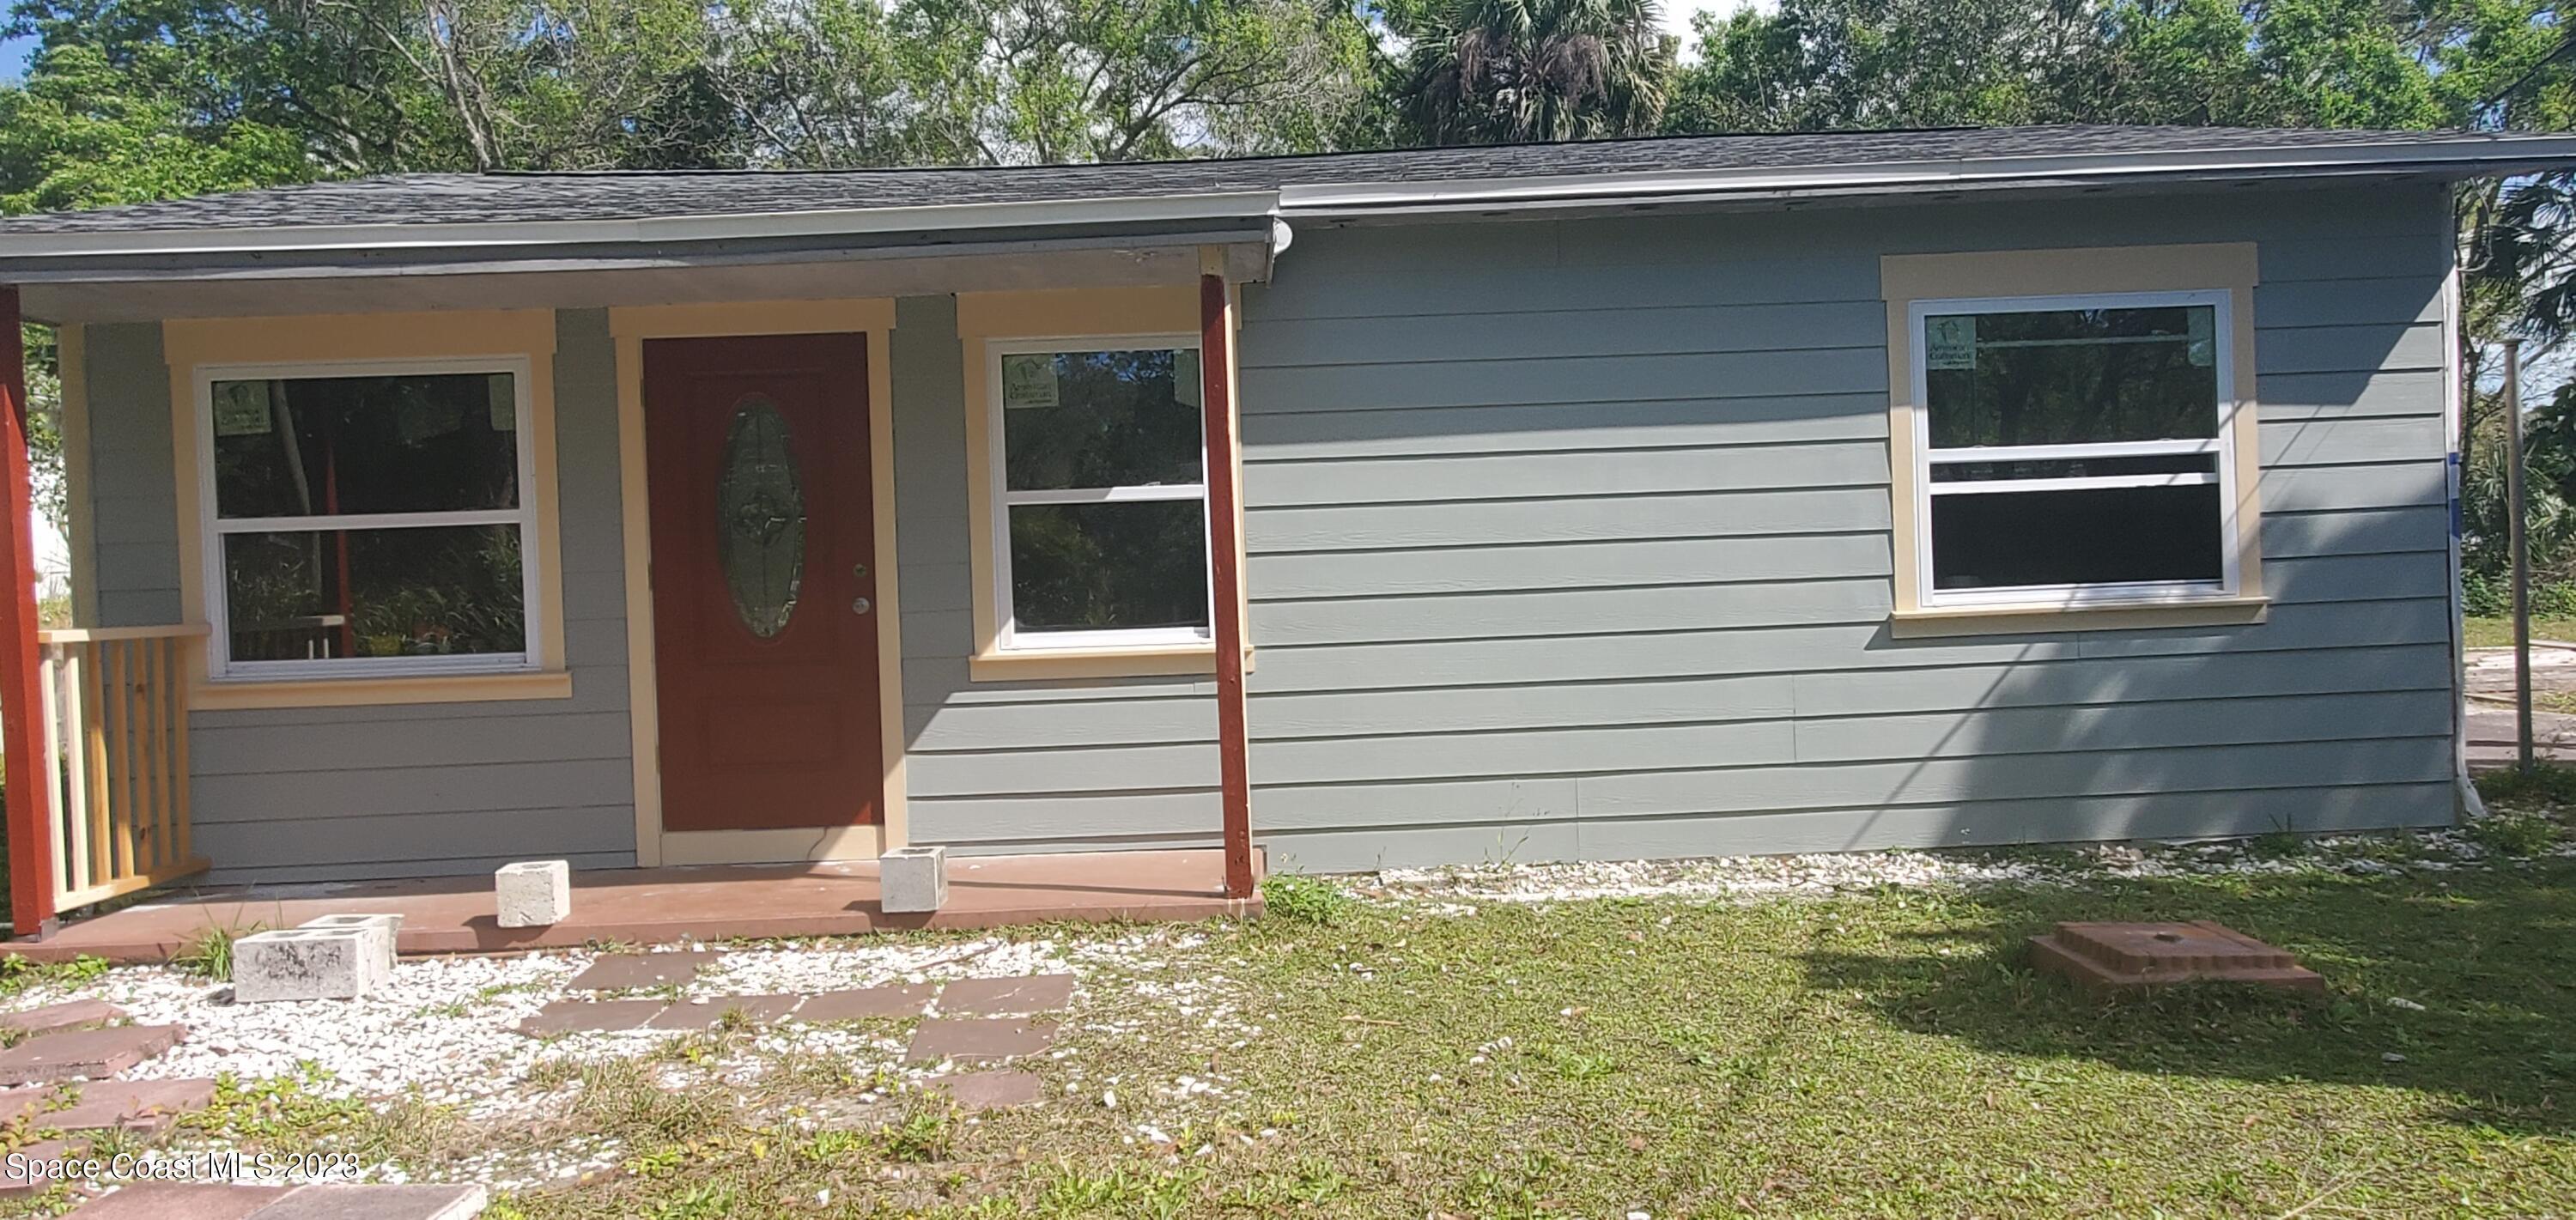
381, 932
913, 879
533, 893
304, 964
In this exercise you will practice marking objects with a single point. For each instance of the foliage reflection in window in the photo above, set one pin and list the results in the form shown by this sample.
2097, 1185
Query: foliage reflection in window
369, 520
2075, 447
1104, 504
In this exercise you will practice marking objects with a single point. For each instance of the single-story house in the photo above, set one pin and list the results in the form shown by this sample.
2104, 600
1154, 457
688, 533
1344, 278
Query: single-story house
1743, 493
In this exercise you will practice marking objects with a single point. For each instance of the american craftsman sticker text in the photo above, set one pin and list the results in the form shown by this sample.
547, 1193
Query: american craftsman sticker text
1950, 342
1028, 381
241, 408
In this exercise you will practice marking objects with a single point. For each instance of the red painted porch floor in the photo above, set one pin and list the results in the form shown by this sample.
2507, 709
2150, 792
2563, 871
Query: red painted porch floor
653, 905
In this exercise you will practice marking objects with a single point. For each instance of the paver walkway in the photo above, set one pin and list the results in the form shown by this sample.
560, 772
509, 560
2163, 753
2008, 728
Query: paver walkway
67, 1056
979, 1021
321, 1201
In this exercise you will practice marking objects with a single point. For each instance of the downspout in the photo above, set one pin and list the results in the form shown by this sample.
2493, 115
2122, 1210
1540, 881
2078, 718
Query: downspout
2465, 803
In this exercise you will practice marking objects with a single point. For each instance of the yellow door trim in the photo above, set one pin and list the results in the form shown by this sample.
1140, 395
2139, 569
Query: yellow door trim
631, 327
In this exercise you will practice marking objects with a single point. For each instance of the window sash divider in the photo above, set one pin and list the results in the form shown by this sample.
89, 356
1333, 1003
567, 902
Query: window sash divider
371, 521
2071, 449
2087, 482
1107, 495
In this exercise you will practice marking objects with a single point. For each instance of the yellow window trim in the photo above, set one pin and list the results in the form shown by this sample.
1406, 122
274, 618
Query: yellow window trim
1031, 664
632, 327
2101, 616
529, 334
2231, 267
1072, 313
360, 692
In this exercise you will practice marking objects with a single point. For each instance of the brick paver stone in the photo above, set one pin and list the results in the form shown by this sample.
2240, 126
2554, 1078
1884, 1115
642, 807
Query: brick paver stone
582, 1017
987, 1090
334, 1201
1007, 997
690, 1014
93, 1054
978, 1039
619, 971
907, 1001
174, 1201
144, 1105
70, 1014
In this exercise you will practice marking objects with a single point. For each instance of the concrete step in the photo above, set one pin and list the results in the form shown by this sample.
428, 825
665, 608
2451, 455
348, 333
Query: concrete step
85, 1054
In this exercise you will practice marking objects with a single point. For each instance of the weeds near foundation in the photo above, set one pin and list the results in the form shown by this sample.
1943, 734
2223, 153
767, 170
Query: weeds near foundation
2544, 785
210, 955
2513, 834
1306, 900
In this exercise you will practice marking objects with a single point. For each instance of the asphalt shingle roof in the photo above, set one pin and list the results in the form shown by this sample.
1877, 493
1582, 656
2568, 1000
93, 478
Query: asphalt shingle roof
402, 199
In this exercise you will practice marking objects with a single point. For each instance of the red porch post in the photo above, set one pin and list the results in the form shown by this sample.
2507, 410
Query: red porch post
22, 732
1225, 570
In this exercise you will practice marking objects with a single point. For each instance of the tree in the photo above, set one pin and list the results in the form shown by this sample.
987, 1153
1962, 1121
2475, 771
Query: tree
1489, 71
1818, 64
1823, 64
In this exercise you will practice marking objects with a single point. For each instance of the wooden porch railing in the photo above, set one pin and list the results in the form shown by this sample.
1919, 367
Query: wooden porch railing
115, 705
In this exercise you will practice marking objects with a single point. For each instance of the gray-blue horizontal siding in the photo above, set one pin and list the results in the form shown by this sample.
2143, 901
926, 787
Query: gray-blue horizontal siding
995, 766
1570, 539
392, 791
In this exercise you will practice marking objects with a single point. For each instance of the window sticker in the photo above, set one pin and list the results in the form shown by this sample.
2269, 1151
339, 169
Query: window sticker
1186, 385
1028, 381
1950, 342
241, 408
503, 397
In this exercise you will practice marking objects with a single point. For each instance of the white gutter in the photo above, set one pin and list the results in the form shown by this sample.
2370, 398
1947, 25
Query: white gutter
1919, 175
828, 222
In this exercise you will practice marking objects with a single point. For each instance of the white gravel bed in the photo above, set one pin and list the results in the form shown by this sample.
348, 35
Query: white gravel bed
1750, 878
445, 1027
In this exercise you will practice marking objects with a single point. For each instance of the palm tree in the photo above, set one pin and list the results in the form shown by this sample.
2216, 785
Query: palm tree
1497, 71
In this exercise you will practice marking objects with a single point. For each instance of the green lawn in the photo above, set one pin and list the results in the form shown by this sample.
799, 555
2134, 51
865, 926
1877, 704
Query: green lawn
2497, 632
1881, 1054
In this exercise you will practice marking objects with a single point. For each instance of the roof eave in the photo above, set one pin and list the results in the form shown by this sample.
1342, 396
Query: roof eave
2488, 157
519, 238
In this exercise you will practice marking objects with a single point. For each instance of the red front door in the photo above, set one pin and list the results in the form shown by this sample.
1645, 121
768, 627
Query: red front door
764, 581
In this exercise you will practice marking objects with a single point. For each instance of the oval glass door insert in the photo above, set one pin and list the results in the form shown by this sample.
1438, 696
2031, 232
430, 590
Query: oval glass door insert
760, 517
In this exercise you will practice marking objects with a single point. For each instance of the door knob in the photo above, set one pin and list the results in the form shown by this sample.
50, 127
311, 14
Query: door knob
861, 606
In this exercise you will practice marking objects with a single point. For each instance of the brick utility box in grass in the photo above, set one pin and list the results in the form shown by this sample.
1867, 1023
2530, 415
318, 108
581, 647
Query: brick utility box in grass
304, 964
533, 893
912, 880
2114, 957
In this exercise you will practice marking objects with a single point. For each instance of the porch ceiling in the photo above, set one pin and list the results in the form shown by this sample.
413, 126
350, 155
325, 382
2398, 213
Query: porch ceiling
402, 281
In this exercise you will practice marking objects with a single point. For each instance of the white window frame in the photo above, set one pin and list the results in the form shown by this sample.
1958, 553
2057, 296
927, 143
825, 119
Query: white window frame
1007, 635
2222, 445
219, 663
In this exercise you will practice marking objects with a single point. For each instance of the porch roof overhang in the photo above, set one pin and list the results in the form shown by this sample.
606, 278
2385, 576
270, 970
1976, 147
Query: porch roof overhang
217, 273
